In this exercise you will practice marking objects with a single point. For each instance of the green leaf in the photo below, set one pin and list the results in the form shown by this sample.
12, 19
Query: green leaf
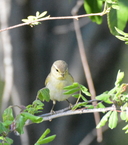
20, 122
37, 13
25, 20
47, 139
47, 131
89, 106
73, 86
125, 128
35, 107
104, 119
118, 18
116, 6
84, 90
38, 102
43, 94
83, 98
71, 91
119, 78
8, 140
76, 106
93, 6
7, 123
83, 104
121, 32
3, 129
31, 18
43, 139
113, 120
126, 131
2, 138
33, 118
22, 118
87, 93
42, 14
124, 107
76, 95
5, 140
123, 115
100, 105
122, 38
8, 114
104, 97
7, 117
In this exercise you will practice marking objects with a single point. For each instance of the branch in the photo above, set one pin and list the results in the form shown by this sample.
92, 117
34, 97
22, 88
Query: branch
79, 111
86, 66
63, 112
55, 18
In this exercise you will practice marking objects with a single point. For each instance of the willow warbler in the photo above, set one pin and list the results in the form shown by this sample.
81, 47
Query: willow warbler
58, 78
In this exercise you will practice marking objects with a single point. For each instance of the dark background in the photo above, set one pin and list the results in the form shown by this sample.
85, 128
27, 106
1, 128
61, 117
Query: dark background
35, 49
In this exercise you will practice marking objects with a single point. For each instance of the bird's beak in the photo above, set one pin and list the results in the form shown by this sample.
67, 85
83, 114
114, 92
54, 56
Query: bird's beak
62, 74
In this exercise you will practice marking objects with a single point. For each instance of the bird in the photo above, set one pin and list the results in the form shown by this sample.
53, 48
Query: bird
58, 78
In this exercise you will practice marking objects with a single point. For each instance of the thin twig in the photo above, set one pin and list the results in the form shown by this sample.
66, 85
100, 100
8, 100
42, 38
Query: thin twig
55, 18
66, 28
86, 67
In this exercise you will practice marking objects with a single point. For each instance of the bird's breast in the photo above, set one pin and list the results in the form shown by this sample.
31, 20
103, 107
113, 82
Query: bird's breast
56, 88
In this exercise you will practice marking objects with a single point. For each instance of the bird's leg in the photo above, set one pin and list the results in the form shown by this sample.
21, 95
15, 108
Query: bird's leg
52, 111
70, 104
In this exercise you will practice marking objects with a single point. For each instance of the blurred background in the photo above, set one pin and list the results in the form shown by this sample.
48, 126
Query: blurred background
26, 55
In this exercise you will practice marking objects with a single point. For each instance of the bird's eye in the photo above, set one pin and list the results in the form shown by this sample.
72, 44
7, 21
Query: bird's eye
57, 70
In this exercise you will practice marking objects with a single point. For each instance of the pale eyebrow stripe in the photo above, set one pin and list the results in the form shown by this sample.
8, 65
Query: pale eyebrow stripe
55, 66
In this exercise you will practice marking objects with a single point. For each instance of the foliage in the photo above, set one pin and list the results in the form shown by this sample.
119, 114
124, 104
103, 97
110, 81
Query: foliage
78, 91
35, 18
16, 124
93, 6
43, 139
117, 18
118, 96
124, 36
116, 12
43, 94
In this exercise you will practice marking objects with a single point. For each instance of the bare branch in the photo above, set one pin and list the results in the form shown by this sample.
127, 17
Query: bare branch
86, 66
57, 114
79, 111
55, 18
60, 113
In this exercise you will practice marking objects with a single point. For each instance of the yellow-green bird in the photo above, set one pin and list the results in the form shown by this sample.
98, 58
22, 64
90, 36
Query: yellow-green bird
58, 78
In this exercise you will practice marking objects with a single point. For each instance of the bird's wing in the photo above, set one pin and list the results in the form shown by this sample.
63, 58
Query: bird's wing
71, 77
47, 79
